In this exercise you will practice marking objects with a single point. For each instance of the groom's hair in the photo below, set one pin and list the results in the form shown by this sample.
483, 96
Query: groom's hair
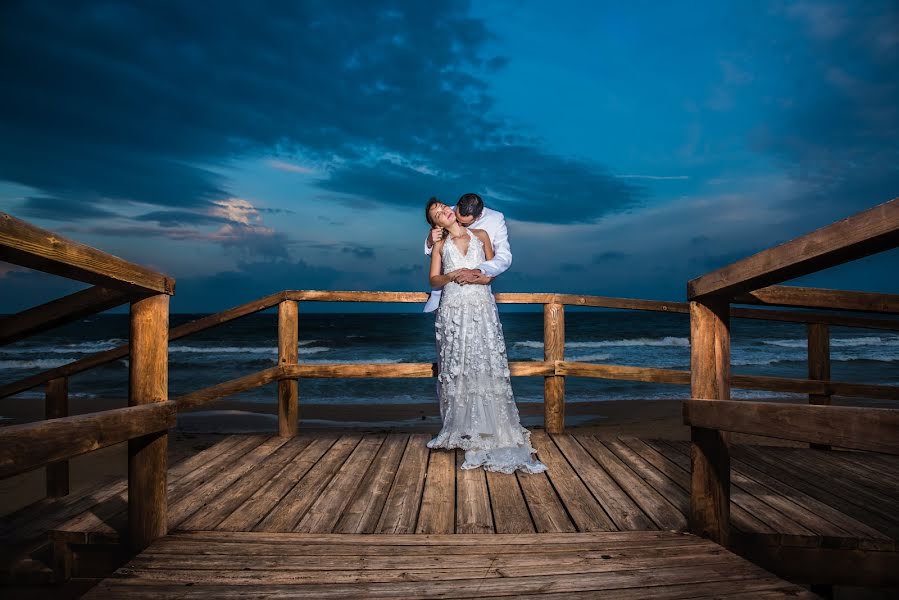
434, 200
470, 205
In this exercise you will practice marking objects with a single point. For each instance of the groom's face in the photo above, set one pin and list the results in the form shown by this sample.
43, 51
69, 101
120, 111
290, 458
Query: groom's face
464, 220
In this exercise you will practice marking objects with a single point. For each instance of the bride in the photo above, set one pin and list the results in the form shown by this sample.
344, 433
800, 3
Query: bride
475, 391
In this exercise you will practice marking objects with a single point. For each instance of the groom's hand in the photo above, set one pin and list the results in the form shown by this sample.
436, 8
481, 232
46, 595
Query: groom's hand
472, 276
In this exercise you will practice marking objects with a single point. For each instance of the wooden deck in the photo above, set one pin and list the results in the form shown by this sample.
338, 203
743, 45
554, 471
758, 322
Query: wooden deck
788, 504
634, 565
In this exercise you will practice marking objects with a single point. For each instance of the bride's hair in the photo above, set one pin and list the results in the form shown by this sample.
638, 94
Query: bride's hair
434, 200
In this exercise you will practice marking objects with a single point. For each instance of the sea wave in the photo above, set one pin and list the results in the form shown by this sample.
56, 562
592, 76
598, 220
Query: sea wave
851, 342
589, 357
79, 348
680, 342
377, 361
37, 363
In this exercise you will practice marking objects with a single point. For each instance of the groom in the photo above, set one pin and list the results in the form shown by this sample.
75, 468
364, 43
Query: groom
470, 212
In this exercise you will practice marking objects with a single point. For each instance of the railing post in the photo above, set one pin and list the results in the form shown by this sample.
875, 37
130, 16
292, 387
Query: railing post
819, 364
709, 455
288, 354
56, 405
148, 455
553, 350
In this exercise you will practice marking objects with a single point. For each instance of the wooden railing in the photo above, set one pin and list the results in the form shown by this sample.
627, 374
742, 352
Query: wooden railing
145, 422
711, 414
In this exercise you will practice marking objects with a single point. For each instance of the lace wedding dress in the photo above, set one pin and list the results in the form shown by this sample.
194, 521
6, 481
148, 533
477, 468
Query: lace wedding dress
476, 402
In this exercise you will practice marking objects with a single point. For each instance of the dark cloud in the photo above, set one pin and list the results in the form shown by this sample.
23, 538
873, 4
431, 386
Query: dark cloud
119, 100
359, 251
57, 209
175, 218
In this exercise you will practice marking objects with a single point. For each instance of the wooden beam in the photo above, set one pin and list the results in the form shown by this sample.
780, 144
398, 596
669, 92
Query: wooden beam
32, 445
806, 297
624, 373
24, 244
59, 312
56, 406
554, 350
819, 365
622, 303
862, 234
874, 429
229, 388
288, 332
113, 354
791, 316
148, 454
709, 455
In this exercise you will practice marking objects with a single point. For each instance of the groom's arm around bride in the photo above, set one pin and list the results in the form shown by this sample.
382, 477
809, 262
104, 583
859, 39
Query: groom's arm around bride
471, 212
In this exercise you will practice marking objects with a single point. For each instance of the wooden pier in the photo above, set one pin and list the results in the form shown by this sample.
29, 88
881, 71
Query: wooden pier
347, 514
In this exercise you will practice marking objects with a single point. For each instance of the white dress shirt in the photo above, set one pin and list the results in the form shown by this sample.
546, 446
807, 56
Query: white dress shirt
494, 223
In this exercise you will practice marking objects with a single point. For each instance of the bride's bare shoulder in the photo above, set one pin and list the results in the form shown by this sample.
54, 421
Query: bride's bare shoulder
480, 233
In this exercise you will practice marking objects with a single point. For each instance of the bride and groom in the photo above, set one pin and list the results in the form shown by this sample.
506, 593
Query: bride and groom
469, 247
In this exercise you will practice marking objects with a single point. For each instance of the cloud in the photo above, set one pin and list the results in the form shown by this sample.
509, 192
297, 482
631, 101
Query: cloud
87, 112
57, 209
407, 270
359, 251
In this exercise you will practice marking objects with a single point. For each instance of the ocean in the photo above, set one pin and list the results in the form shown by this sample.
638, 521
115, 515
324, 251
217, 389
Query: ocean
634, 338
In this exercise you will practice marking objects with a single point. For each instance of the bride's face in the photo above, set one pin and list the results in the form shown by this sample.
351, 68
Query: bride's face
442, 215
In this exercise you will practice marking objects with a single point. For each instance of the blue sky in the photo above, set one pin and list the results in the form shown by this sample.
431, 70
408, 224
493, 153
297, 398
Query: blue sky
264, 146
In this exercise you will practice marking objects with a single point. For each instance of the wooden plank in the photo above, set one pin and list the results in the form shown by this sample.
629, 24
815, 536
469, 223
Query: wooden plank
623, 511
828, 490
653, 504
888, 324
364, 510
219, 508
806, 297
59, 312
622, 303
250, 513
862, 234
288, 354
32, 445
624, 373
473, 510
709, 514
875, 429
510, 511
324, 513
201, 495
741, 518
554, 350
547, 510
401, 506
438, 501
291, 508
56, 405
229, 388
657, 479
819, 364
24, 244
585, 511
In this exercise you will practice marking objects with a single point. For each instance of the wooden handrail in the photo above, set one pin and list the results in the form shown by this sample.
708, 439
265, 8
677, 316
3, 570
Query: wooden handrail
862, 234
873, 429
24, 244
59, 312
805, 297
32, 445
204, 323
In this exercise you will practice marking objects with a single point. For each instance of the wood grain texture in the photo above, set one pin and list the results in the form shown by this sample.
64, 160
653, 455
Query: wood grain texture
148, 384
229, 388
438, 500
554, 350
873, 429
56, 405
288, 354
32, 445
24, 244
805, 297
59, 312
710, 459
862, 234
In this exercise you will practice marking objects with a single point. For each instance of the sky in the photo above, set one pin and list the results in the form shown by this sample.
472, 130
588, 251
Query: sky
250, 147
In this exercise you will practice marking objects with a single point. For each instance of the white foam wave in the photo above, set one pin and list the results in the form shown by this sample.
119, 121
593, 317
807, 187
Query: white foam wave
377, 361
79, 348
38, 363
313, 350
223, 349
851, 342
589, 357
680, 342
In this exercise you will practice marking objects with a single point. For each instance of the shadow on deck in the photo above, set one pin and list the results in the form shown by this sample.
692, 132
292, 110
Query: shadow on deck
793, 510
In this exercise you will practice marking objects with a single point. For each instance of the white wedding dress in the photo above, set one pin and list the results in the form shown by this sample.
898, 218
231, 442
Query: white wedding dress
476, 402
